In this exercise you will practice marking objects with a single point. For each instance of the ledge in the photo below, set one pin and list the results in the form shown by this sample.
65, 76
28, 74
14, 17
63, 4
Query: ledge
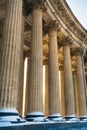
46, 126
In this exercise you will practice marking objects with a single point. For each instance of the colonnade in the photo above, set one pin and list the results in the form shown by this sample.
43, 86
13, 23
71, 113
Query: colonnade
11, 52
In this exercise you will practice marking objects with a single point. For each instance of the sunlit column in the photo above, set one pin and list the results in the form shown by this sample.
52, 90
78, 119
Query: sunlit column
68, 80
27, 87
21, 72
54, 97
76, 93
10, 61
46, 102
80, 81
36, 62
62, 92
10, 55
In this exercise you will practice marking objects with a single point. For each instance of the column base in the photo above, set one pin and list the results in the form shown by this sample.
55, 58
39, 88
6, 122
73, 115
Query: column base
71, 118
55, 117
83, 118
10, 115
36, 117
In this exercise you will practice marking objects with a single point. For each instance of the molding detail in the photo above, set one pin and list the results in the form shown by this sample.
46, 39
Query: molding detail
62, 8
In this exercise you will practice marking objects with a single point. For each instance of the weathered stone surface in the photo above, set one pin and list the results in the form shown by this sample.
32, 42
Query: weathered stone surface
81, 88
46, 99
10, 55
68, 82
54, 98
36, 64
62, 94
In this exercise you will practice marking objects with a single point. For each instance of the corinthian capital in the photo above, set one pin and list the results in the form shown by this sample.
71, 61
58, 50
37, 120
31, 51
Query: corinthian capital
29, 5
38, 4
53, 26
66, 41
79, 51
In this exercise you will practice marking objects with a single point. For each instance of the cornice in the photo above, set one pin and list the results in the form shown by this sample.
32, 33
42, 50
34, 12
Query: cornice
72, 16
66, 15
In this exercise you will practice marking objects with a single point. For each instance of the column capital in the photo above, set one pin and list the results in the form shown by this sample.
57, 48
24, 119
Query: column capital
66, 41
79, 51
28, 6
53, 26
26, 9
38, 4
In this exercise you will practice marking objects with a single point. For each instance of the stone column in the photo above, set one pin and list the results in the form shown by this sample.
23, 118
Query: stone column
46, 102
21, 81
36, 60
76, 92
68, 80
80, 81
54, 97
10, 55
84, 75
62, 93
21, 72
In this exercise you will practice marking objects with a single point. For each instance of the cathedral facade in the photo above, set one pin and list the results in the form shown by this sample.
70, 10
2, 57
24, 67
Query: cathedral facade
48, 35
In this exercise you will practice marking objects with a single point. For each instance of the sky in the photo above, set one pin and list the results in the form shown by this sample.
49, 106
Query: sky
79, 8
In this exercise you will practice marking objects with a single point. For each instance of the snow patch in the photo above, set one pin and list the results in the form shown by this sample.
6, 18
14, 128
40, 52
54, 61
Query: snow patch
55, 115
8, 110
36, 113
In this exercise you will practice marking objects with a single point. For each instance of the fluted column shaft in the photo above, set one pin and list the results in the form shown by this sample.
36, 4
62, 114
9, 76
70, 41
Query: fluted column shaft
10, 55
54, 97
46, 102
21, 72
76, 93
36, 64
62, 94
68, 81
81, 91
